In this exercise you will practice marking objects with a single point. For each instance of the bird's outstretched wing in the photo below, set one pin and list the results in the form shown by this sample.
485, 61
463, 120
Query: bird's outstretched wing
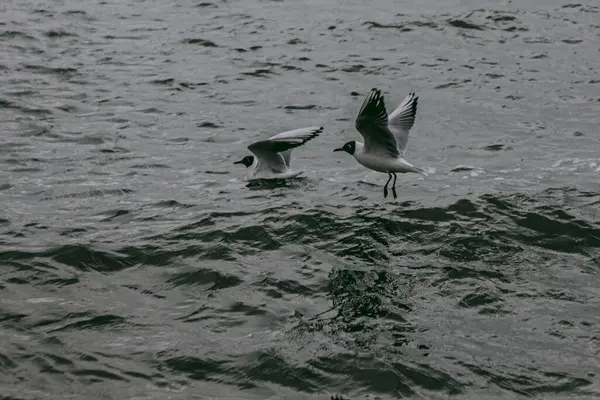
402, 120
372, 124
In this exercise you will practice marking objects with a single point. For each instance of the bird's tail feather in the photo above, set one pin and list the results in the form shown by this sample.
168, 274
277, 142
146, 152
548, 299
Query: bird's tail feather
420, 171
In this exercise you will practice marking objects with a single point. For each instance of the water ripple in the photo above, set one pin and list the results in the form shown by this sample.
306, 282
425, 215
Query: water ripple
136, 259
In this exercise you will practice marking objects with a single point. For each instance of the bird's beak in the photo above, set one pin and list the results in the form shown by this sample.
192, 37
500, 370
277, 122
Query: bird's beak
239, 162
340, 149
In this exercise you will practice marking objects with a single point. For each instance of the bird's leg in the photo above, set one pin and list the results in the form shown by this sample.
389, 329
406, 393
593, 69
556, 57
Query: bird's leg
385, 191
394, 187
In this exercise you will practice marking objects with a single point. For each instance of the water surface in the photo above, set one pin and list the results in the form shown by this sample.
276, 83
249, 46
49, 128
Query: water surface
136, 264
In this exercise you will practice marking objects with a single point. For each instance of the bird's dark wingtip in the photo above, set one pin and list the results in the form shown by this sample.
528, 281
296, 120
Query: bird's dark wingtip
313, 134
375, 93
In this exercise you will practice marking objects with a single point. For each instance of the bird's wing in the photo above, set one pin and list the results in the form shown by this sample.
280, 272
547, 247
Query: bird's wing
296, 137
402, 120
287, 157
276, 151
372, 124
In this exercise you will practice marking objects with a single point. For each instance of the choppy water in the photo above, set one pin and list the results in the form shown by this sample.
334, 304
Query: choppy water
135, 262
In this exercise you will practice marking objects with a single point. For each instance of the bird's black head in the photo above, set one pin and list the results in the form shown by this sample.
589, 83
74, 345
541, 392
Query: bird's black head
247, 161
348, 147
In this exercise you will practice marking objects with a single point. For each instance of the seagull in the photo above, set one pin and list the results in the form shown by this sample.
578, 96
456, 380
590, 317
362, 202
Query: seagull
272, 157
385, 137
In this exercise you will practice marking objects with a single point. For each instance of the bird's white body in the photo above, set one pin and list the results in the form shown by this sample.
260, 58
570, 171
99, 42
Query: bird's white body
261, 169
383, 164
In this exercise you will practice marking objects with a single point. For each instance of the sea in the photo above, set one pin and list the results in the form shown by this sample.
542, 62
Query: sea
138, 263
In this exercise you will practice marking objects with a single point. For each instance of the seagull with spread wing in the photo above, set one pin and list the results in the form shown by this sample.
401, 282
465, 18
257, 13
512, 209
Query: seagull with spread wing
385, 137
272, 157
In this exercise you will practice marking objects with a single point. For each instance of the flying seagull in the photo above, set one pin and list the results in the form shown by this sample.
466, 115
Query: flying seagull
385, 137
272, 157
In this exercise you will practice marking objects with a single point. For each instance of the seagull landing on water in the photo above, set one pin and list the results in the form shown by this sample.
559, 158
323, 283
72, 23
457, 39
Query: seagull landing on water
272, 157
385, 138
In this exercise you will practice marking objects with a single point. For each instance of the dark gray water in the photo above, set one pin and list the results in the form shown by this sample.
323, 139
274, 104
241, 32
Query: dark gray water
136, 264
